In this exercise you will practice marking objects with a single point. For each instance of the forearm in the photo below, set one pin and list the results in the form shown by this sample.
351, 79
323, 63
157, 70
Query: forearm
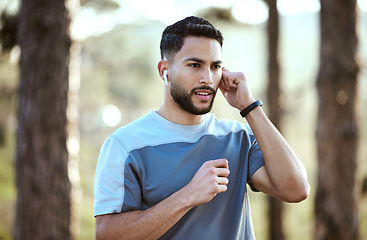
286, 172
210, 180
148, 224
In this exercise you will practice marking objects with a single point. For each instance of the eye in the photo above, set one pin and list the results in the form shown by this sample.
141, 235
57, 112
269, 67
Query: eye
195, 65
217, 66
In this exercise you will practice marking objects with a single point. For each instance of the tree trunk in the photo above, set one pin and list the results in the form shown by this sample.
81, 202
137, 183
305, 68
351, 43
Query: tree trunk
273, 96
43, 197
337, 130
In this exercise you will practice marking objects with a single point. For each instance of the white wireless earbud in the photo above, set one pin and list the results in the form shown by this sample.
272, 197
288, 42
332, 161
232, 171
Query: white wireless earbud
165, 77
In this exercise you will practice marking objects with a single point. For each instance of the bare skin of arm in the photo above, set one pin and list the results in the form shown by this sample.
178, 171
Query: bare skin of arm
283, 176
152, 223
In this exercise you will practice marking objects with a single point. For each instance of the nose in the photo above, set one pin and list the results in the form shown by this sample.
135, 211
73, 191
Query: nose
206, 78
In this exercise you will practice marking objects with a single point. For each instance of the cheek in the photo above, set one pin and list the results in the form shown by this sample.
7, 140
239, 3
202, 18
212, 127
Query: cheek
186, 79
217, 77
181, 82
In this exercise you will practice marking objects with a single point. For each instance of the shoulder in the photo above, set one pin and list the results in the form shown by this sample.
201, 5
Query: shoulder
135, 134
149, 130
139, 125
226, 126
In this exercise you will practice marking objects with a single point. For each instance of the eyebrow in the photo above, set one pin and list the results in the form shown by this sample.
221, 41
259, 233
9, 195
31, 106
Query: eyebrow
194, 59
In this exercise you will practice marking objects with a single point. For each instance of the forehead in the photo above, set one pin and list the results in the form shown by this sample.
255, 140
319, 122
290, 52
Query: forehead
206, 49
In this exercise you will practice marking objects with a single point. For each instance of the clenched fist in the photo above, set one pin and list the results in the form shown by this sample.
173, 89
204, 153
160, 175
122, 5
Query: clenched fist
209, 180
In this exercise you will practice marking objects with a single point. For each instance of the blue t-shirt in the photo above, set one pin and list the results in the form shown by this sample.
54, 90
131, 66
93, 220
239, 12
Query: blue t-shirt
149, 159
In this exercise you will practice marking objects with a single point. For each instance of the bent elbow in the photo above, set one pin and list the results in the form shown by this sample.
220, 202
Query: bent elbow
299, 195
297, 198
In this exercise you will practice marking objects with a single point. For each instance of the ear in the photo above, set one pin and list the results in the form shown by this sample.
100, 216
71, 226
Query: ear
162, 67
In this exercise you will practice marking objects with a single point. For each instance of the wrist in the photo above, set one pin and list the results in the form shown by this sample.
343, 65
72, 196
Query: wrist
251, 107
245, 102
187, 201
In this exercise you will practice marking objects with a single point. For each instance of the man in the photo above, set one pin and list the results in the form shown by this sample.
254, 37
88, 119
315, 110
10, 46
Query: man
179, 173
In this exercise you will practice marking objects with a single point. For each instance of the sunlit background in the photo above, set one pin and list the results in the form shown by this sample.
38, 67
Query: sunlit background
119, 42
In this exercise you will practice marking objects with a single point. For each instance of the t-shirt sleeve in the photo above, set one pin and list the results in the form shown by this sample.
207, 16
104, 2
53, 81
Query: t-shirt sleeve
256, 160
112, 186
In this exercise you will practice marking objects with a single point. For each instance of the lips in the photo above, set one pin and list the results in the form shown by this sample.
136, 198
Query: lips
203, 94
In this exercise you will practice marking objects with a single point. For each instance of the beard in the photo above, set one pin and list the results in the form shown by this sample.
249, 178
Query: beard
183, 98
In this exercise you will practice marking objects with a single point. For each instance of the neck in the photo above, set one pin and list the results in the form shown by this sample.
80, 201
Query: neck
175, 114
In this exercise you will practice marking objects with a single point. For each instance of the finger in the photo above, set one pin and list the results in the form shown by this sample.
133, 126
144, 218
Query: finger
225, 77
222, 172
224, 81
230, 81
236, 81
223, 89
219, 163
221, 188
222, 180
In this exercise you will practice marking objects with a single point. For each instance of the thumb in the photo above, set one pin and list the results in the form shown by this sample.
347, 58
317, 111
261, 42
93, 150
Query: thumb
223, 89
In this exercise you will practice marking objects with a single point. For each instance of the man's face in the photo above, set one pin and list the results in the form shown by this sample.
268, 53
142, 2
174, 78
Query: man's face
196, 73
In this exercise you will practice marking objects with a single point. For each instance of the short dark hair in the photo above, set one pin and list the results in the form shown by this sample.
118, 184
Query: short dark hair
173, 36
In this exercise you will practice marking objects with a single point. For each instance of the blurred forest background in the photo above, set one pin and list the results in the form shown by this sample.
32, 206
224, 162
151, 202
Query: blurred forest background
118, 42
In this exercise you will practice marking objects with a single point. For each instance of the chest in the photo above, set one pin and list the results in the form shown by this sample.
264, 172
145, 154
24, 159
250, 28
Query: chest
167, 168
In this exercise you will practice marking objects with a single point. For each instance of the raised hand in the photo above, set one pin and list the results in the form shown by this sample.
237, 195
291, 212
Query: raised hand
235, 89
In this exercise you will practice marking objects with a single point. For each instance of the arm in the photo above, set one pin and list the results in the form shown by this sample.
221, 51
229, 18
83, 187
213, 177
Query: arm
283, 176
149, 224
152, 223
